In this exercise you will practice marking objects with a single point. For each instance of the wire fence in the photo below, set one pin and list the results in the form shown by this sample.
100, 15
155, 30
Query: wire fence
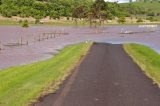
23, 41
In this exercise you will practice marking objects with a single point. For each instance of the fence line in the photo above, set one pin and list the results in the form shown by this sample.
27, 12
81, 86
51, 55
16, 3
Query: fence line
42, 37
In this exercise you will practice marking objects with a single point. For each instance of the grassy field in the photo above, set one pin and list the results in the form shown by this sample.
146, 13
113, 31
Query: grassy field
146, 58
22, 85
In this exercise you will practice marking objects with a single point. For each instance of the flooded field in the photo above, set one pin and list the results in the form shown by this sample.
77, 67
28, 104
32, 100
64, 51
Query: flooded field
26, 45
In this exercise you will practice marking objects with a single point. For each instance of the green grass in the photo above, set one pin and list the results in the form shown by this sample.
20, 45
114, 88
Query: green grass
8, 22
146, 58
22, 85
56, 23
65, 23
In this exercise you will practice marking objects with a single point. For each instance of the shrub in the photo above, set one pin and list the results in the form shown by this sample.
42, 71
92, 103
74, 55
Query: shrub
121, 20
151, 19
37, 21
54, 15
20, 21
151, 14
25, 24
139, 20
67, 18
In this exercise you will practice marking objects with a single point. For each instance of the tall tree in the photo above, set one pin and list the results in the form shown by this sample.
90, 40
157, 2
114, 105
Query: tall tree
98, 9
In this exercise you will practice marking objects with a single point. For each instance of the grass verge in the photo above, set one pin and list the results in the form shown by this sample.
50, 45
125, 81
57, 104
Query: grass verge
146, 58
67, 23
22, 85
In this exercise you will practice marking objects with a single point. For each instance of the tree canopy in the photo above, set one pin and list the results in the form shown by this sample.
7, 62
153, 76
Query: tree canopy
60, 8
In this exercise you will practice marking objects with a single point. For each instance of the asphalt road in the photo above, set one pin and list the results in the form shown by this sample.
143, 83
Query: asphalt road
106, 77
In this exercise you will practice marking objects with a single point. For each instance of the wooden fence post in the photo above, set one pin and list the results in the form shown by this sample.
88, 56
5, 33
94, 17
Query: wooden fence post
21, 41
1, 46
27, 42
59, 33
39, 38
34, 39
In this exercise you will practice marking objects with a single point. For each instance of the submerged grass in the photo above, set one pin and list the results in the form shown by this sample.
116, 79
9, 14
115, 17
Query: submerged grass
22, 85
146, 58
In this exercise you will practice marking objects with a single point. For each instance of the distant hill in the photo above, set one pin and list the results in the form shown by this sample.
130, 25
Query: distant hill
148, 6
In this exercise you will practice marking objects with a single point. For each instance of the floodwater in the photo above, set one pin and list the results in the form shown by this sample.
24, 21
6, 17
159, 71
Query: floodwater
36, 46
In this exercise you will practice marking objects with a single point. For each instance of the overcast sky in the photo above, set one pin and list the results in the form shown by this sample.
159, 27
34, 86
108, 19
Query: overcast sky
120, 1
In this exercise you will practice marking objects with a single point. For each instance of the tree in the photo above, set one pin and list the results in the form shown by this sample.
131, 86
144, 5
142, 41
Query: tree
79, 12
90, 18
91, 10
54, 15
98, 9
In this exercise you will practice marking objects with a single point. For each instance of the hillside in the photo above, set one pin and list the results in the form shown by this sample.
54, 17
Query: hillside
151, 7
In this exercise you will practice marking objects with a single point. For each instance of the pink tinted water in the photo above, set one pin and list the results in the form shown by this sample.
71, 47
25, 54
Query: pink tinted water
36, 51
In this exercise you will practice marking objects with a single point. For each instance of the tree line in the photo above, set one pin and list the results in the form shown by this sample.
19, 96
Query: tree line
62, 8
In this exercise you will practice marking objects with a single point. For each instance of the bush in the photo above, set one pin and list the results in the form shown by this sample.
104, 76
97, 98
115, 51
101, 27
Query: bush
20, 21
151, 19
121, 20
139, 20
54, 15
8, 10
25, 24
151, 14
110, 16
67, 18
7, 14
37, 21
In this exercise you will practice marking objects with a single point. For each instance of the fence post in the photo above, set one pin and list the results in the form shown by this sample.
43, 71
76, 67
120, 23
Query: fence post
39, 38
43, 36
54, 35
27, 42
59, 33
51, 35
21, 41
0, 45
34, 39
47, 36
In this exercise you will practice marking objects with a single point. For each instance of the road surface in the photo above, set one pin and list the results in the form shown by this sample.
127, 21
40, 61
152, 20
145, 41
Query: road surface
106, 77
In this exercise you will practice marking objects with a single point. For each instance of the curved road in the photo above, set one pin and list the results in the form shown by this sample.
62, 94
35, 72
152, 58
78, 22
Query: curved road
107, 77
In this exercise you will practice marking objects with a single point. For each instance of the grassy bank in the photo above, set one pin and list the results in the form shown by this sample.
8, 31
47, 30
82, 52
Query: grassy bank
22, 85
146, 58
8, 23
68, 23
